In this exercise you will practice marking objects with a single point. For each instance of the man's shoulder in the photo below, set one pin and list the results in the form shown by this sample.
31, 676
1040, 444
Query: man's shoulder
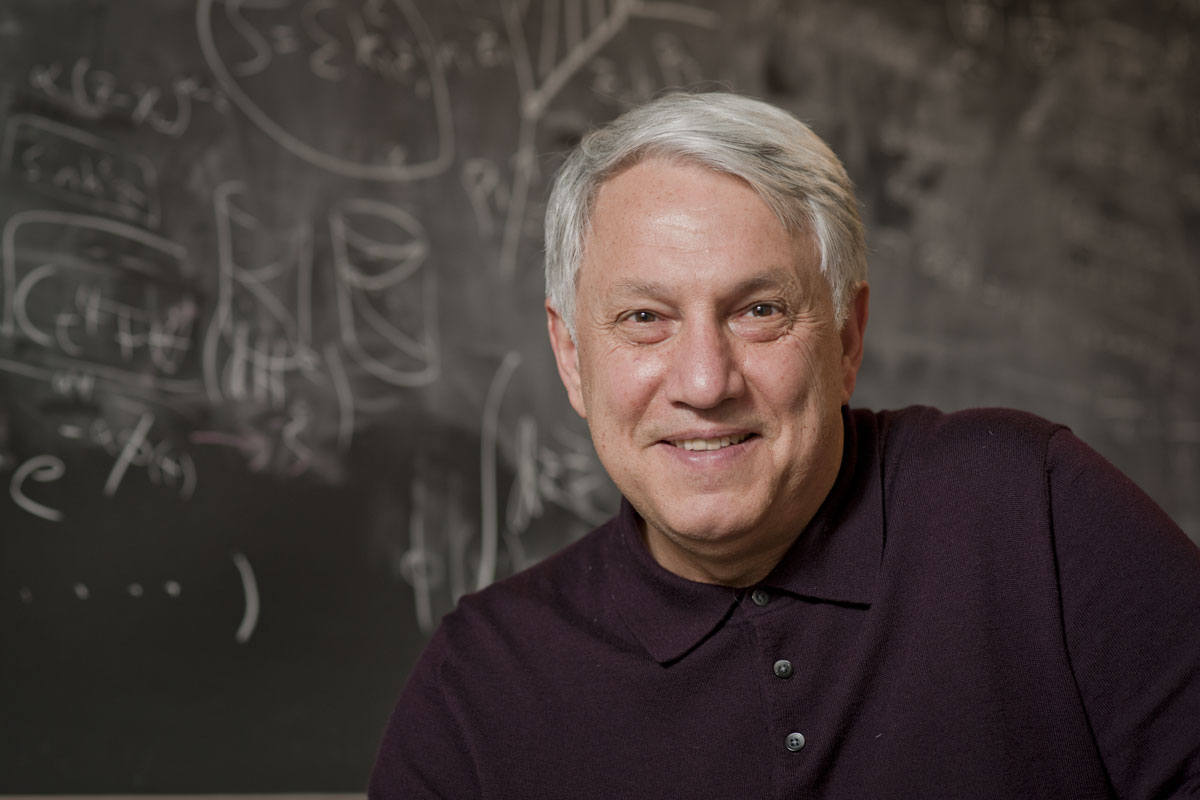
933, 423
926, 434
984, 463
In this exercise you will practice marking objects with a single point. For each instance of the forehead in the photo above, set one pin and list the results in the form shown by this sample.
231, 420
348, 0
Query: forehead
667, 219
657, 188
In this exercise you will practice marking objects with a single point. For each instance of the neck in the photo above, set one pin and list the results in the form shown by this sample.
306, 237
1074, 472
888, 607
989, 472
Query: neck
736, 570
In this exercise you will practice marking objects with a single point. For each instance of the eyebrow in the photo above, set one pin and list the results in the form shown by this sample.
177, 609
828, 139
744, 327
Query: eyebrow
771, 279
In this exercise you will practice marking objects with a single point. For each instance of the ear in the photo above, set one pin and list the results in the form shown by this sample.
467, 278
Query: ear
853, 332
566, 355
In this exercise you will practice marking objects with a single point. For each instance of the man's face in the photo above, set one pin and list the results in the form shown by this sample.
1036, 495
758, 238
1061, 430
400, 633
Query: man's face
709, 367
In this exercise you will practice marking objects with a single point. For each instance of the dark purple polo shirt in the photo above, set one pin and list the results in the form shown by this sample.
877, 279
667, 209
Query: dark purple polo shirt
982, 608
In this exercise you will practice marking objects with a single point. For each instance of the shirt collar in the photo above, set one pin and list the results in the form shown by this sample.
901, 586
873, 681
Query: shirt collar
836, 558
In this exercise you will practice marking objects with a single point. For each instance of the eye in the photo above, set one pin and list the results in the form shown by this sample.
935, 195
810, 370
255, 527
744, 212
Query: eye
642, 316
761, 322
644, 326
762, 310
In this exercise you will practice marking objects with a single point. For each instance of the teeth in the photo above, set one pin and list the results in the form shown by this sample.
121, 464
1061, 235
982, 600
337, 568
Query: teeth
709, 444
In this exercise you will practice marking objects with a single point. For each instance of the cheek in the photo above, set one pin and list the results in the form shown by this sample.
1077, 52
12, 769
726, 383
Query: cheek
645, 370
792, 376
638, 380
625, 384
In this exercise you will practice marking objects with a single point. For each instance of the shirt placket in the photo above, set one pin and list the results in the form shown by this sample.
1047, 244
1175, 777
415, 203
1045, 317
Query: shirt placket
780, 671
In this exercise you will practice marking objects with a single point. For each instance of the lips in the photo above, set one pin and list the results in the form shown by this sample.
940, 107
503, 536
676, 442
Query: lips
715, 443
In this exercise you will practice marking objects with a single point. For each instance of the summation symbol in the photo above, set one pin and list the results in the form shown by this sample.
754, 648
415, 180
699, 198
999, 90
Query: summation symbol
316, 47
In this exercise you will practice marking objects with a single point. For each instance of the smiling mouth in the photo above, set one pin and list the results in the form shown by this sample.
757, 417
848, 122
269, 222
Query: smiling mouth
710, 444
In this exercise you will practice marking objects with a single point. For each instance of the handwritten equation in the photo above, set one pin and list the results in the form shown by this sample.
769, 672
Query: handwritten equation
170, 301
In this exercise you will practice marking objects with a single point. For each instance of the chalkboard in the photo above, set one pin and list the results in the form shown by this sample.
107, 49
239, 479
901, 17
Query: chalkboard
274, 389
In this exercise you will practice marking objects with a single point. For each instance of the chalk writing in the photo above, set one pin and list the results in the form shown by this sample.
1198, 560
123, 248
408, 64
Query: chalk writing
164, 462
84, 591
75, 165
258, 350
386, 292
420, 566
40, 469
249, 620
280, 442
73, 383
261, 323
437, 562
320, 44
490, 196
133, 443
565, 472
446, 555
572, 35
489, 489
94, 93
569, 476
632, 80
99, 294
487, 50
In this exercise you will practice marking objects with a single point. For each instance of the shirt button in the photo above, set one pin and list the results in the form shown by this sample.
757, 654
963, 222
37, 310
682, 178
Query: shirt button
760, 597
783, 668
795, 742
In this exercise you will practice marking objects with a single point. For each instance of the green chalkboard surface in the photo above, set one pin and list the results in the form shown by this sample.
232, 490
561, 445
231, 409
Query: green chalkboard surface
274, 390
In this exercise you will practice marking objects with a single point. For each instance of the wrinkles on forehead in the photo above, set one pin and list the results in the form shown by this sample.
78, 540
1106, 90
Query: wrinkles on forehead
782, 278
674, 228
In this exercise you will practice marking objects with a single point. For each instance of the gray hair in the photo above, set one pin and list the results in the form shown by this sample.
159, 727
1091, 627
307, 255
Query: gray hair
794, 172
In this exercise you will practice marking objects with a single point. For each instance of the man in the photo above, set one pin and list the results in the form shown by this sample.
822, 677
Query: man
796, 599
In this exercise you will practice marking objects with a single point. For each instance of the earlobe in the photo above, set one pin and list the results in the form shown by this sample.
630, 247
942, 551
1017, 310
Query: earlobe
566, 356
853, 334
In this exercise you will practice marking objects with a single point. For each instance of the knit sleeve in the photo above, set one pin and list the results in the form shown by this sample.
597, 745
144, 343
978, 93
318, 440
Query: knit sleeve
423, 753
1130, 592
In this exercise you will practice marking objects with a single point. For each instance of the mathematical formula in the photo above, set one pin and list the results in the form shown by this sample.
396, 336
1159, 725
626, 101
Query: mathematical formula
161, 335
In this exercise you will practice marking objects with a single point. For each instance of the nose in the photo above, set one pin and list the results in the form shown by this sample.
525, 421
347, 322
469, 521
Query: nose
705, 370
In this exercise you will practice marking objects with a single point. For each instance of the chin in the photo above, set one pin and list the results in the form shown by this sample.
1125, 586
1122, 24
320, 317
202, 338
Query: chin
709, 519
